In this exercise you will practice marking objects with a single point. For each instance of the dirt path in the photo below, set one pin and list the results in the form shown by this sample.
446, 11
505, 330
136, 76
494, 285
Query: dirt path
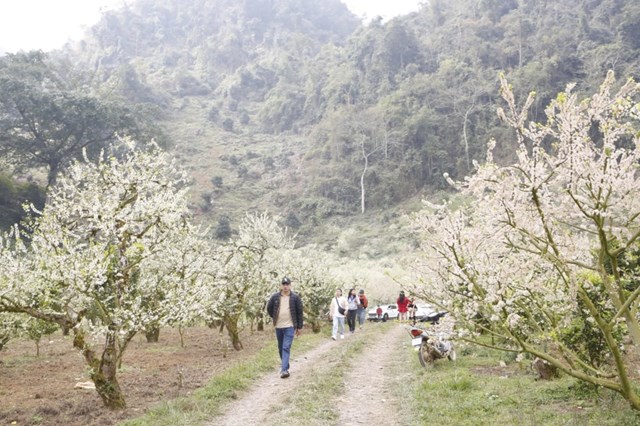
368, 385
267, 392
369, 396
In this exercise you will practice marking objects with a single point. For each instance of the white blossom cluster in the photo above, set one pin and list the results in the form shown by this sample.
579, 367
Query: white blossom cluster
512, 259
242, 274
113, 250
313, 279
250, 267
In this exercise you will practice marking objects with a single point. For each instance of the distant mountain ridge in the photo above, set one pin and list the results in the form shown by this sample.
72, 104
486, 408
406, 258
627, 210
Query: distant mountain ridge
293, 106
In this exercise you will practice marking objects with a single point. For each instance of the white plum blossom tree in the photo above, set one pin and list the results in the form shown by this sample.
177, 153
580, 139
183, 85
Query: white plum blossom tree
101, 252
244, 274
180, 283
310, 271
538, 254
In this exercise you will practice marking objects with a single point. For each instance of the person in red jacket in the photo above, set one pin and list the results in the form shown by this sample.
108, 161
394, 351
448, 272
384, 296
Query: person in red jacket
363, 303
403, 306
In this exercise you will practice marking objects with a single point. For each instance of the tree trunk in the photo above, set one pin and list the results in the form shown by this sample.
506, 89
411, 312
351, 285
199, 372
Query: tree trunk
181, 332
104, 376
232, 329
219, 324
364, 171
122, 345
108, 388
103, 370
466, 141
260, 326
235, 341
365, 156
152, 335
52, 174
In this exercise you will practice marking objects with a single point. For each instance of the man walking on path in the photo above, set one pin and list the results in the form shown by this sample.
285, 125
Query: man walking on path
285, 308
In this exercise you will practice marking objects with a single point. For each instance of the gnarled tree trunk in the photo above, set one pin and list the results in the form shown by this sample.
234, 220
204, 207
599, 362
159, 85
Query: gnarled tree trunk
234, 333
103, 369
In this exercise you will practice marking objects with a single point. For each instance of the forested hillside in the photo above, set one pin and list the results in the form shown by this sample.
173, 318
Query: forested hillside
295, 107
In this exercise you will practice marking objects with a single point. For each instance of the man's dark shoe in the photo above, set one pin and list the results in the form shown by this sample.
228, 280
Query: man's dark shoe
284, 374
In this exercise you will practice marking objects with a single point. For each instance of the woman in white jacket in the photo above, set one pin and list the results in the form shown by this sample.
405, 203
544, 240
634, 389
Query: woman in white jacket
337, 304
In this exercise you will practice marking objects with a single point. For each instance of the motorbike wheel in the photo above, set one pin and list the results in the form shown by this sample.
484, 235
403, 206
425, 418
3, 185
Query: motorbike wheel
452, 355
424, 355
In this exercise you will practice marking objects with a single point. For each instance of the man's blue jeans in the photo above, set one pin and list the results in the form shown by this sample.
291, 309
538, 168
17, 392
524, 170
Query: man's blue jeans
285, 339
362, 316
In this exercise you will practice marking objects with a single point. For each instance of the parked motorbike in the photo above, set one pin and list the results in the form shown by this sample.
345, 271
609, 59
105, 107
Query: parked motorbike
430, 347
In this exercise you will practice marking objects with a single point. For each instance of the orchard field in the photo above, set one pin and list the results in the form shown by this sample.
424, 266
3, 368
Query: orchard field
40, 390
538, 259
370, 375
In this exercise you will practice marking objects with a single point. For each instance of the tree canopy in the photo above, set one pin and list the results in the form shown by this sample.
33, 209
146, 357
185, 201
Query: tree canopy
49, 114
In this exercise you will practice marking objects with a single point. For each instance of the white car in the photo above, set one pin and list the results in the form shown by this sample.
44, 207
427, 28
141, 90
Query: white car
389, 311
424, 310
426, 313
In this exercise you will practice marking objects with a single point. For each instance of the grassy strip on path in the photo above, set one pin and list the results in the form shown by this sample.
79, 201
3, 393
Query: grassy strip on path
315, 403
478, 390
206, 402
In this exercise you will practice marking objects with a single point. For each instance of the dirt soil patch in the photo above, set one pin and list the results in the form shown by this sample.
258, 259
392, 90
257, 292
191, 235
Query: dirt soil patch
40, 390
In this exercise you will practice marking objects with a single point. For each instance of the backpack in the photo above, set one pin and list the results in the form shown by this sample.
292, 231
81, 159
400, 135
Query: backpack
364, 302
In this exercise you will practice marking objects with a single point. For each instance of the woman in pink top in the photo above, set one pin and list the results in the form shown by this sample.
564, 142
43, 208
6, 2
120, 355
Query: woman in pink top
403, 306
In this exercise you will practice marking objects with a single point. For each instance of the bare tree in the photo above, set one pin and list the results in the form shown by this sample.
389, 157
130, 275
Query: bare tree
365, 156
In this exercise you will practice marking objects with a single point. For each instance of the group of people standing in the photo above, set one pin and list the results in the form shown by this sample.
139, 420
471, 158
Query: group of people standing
286, 310
352, 307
